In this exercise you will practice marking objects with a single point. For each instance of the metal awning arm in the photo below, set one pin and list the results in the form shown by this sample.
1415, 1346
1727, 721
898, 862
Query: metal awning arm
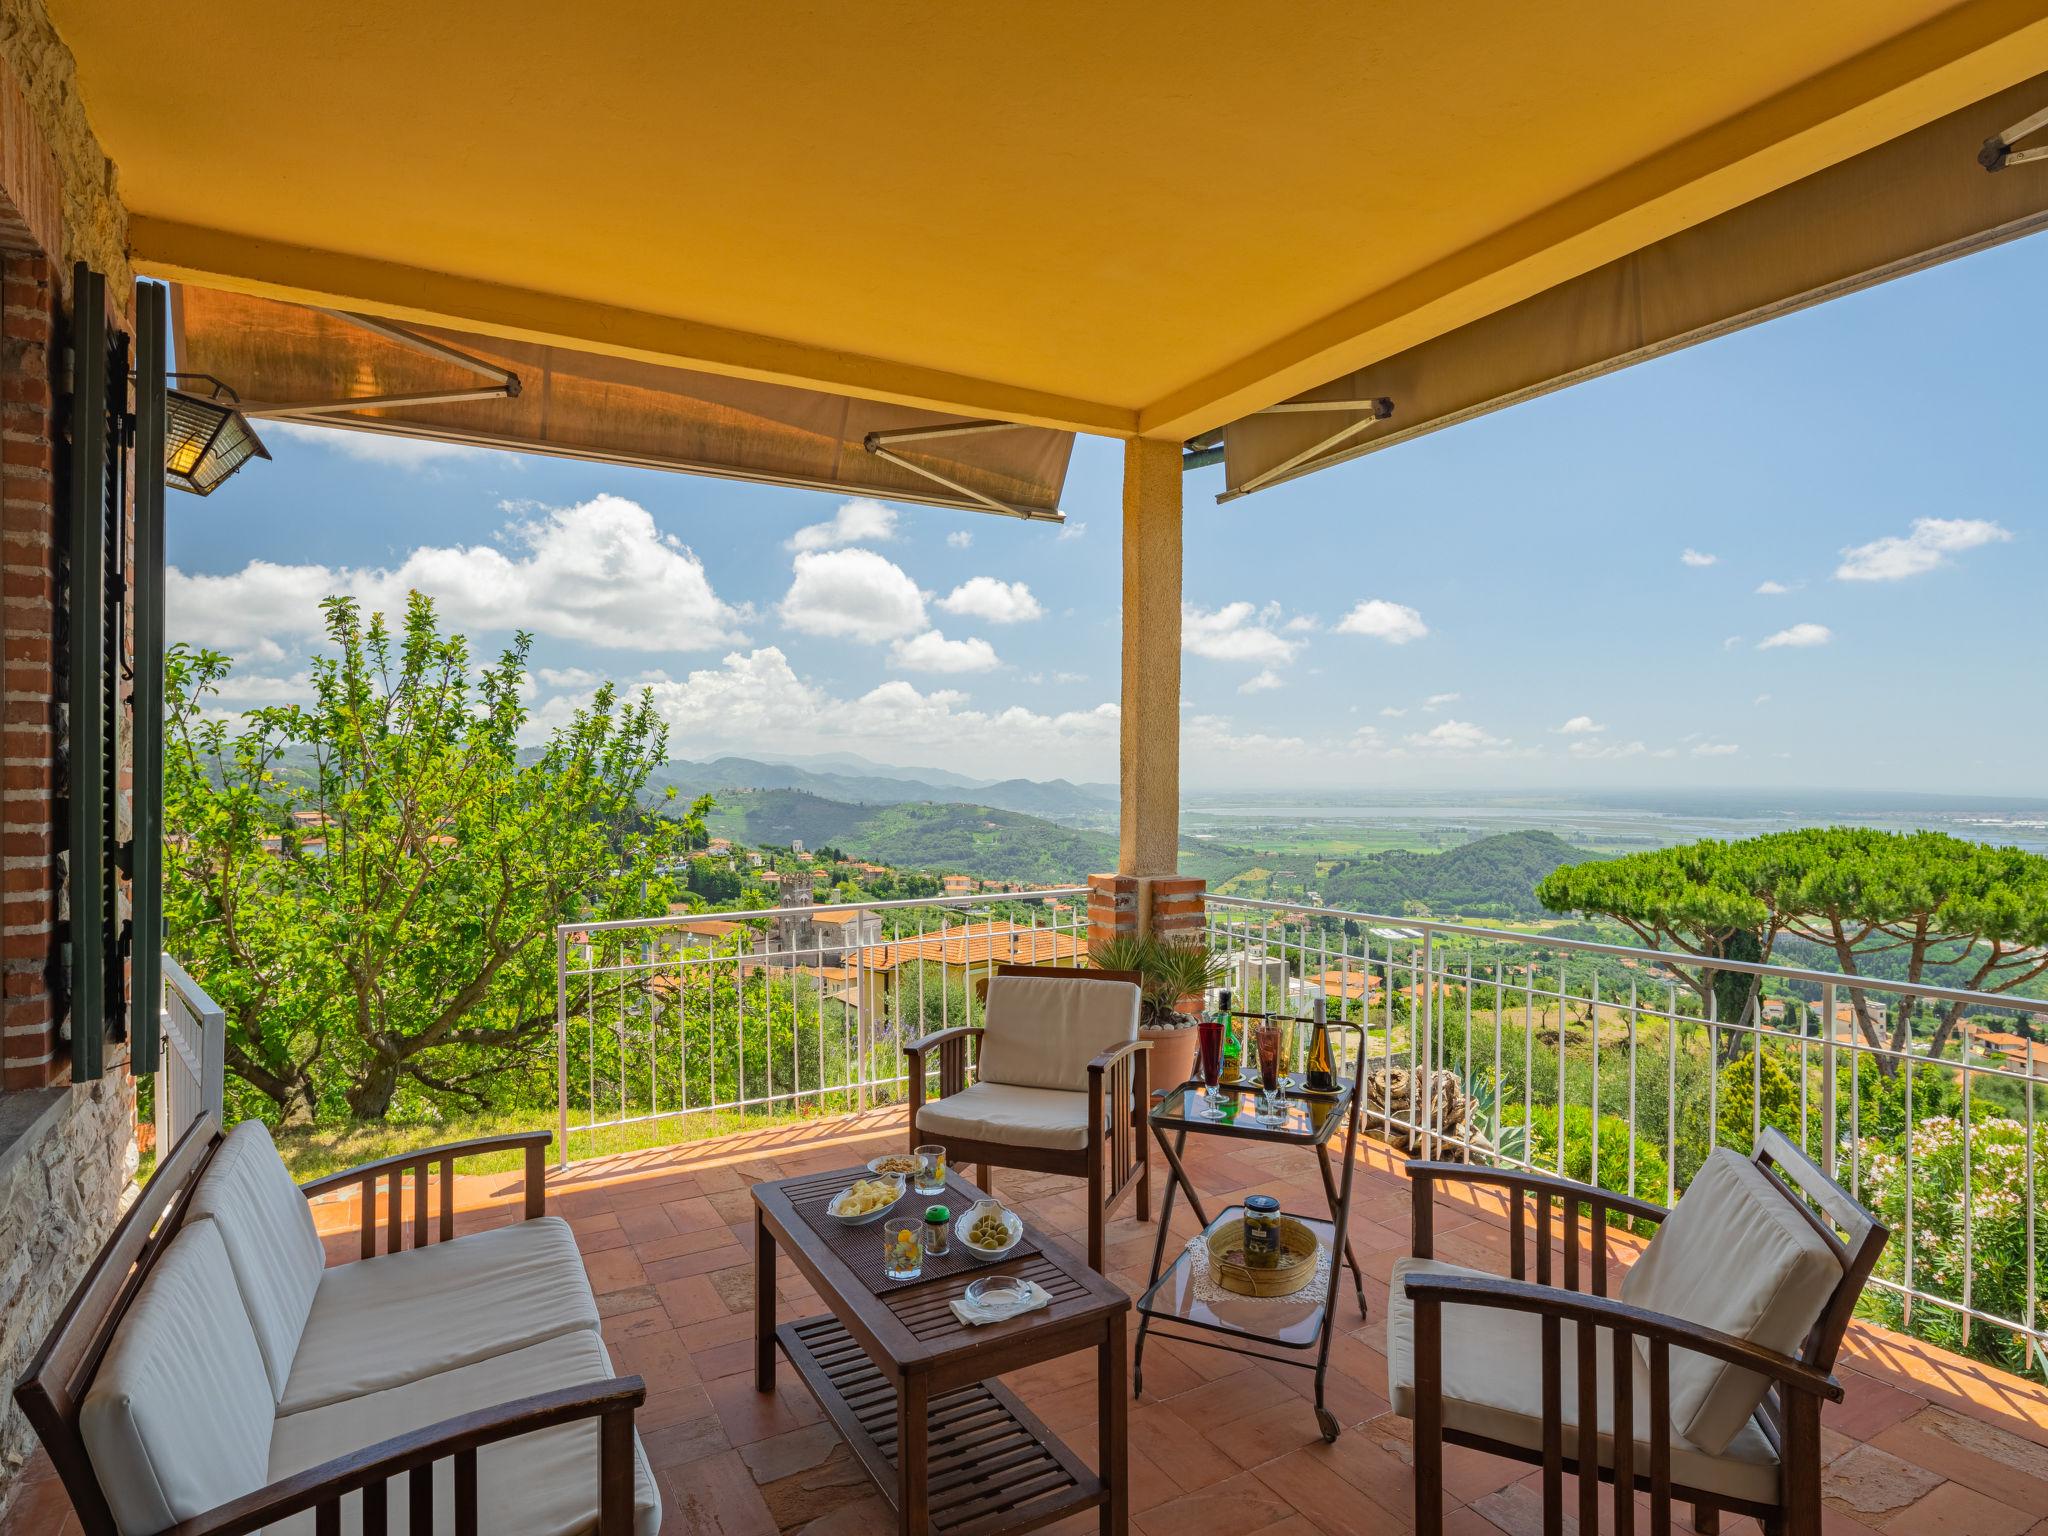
1998, 151
878, 444
504, 383
1369, 411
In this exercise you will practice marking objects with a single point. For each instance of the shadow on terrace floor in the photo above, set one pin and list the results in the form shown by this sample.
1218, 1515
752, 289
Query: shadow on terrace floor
1926, 1442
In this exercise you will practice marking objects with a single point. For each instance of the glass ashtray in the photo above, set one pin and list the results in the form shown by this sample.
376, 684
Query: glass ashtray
995, 1290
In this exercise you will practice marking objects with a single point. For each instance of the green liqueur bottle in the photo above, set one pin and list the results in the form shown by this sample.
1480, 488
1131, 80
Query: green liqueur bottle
1229, 1074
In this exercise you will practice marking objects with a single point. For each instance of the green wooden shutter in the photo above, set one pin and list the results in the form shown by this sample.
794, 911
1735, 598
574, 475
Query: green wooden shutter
146, 863
95, 589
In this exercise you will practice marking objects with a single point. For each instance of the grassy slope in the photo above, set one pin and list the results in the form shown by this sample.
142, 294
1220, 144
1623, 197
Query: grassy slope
974, 839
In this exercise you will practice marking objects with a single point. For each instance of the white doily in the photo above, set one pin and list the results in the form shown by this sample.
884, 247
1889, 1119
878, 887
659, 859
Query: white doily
1208, 1289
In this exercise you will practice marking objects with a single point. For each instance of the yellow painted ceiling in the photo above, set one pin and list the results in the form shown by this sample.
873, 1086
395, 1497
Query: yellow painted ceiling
1118, 217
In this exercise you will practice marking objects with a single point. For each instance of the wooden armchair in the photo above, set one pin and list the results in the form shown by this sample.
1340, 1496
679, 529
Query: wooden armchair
1716, 1353
1059, 1086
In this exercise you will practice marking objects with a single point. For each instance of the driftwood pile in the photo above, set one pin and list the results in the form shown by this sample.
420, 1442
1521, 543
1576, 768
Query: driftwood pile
1391, 1108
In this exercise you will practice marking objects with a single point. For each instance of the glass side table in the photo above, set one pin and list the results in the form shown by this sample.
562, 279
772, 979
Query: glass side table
1277, 1330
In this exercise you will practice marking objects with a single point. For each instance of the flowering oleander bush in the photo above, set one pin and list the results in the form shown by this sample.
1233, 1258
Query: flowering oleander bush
1978, 1256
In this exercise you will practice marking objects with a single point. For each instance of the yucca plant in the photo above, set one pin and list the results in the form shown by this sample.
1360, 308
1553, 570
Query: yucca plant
1167, 972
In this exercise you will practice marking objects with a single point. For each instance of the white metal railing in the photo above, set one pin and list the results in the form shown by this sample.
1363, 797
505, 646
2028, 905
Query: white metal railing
1951, 1151
191, 1069
805, 1007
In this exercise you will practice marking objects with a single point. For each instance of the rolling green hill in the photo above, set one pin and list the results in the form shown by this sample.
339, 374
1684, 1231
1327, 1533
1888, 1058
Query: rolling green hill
972, 839
1492, 877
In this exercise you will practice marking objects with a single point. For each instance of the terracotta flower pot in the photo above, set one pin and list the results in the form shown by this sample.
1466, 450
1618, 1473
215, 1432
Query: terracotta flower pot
1173, 1055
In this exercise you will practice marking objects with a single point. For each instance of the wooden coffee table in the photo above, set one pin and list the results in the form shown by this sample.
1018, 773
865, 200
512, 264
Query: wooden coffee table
912, 1388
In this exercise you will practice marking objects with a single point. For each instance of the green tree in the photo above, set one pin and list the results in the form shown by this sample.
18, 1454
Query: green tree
369, 883
1702, 899
1897, 904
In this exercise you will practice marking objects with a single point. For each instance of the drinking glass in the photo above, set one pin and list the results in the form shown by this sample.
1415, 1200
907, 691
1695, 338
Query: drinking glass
1209, 1033
930, 1178
1267, 1040
903, 1247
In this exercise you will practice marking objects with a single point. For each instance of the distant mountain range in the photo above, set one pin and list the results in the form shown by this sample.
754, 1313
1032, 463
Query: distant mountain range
856, 781
981, 840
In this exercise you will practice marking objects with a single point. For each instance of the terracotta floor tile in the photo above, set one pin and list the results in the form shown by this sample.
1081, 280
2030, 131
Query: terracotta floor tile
1925, 1442
1953, 1510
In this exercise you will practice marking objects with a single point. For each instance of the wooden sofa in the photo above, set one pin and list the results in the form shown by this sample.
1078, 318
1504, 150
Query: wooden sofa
1716, 1351
213, 1376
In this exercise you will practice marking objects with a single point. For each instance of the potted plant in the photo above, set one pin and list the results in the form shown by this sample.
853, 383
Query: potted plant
1174, 979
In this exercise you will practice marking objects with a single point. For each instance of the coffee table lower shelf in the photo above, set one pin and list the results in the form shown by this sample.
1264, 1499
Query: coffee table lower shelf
993, 1469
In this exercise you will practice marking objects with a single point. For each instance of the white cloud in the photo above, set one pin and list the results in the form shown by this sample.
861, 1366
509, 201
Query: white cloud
1302, 624
1731, 642
1212, 736
999, 602
1262, 682
384, 448
1391, 713
859, 521
1580, 725
1233, 633
1695, 558
1605, 751
853, 593
599, 572
959, 538
1456, 736
1071, 530
1776, 588
1715, 749
1929, 544
1437, 701
1798, 636
1763, 698
754, 702
1395, 623
933, 652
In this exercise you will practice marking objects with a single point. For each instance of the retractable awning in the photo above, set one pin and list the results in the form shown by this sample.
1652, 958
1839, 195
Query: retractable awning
1922, 198
293, 362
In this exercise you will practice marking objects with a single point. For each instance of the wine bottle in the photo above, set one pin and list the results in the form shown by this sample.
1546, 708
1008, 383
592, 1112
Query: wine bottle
1231, 1057
1322, 1068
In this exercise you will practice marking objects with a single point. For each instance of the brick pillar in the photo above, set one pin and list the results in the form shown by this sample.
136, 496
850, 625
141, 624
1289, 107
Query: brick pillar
1164, 906
29, 867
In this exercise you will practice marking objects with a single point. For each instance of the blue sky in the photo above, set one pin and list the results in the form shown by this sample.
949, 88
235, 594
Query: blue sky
1580, 591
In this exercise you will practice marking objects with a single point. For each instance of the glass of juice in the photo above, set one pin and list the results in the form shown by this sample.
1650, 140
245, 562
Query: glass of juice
1209, 1034
903, 1247
1267, 1039
930, 1178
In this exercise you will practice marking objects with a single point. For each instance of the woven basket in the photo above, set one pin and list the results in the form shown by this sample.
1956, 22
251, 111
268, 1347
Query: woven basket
1297, 1265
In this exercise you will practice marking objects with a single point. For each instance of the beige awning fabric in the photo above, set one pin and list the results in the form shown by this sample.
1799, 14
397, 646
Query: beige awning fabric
1920, 199
293, 363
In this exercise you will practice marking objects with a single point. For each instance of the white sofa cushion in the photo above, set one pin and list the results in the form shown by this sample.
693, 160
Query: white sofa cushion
1042, 1031
1493, 1386
1735, 1256
392, 1319
541, 1484
1016, 1117
178, 1417
267, 1228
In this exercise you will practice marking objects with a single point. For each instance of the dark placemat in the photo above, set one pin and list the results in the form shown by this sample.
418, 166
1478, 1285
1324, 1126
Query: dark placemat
860, 1248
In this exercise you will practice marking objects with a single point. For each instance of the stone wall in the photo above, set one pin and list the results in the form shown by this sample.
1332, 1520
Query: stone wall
62, 1178
93, 220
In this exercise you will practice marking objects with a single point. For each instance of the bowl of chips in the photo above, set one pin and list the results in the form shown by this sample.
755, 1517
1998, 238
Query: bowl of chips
989, 1230
866, 1200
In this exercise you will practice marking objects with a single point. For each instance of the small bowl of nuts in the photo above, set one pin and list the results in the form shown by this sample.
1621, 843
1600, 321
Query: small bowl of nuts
989, 1230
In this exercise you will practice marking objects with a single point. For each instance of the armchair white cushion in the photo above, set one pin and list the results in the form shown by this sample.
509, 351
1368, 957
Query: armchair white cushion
1736, 1256
177, 1420
1018, 1117
1042, 1031
1493, 1386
